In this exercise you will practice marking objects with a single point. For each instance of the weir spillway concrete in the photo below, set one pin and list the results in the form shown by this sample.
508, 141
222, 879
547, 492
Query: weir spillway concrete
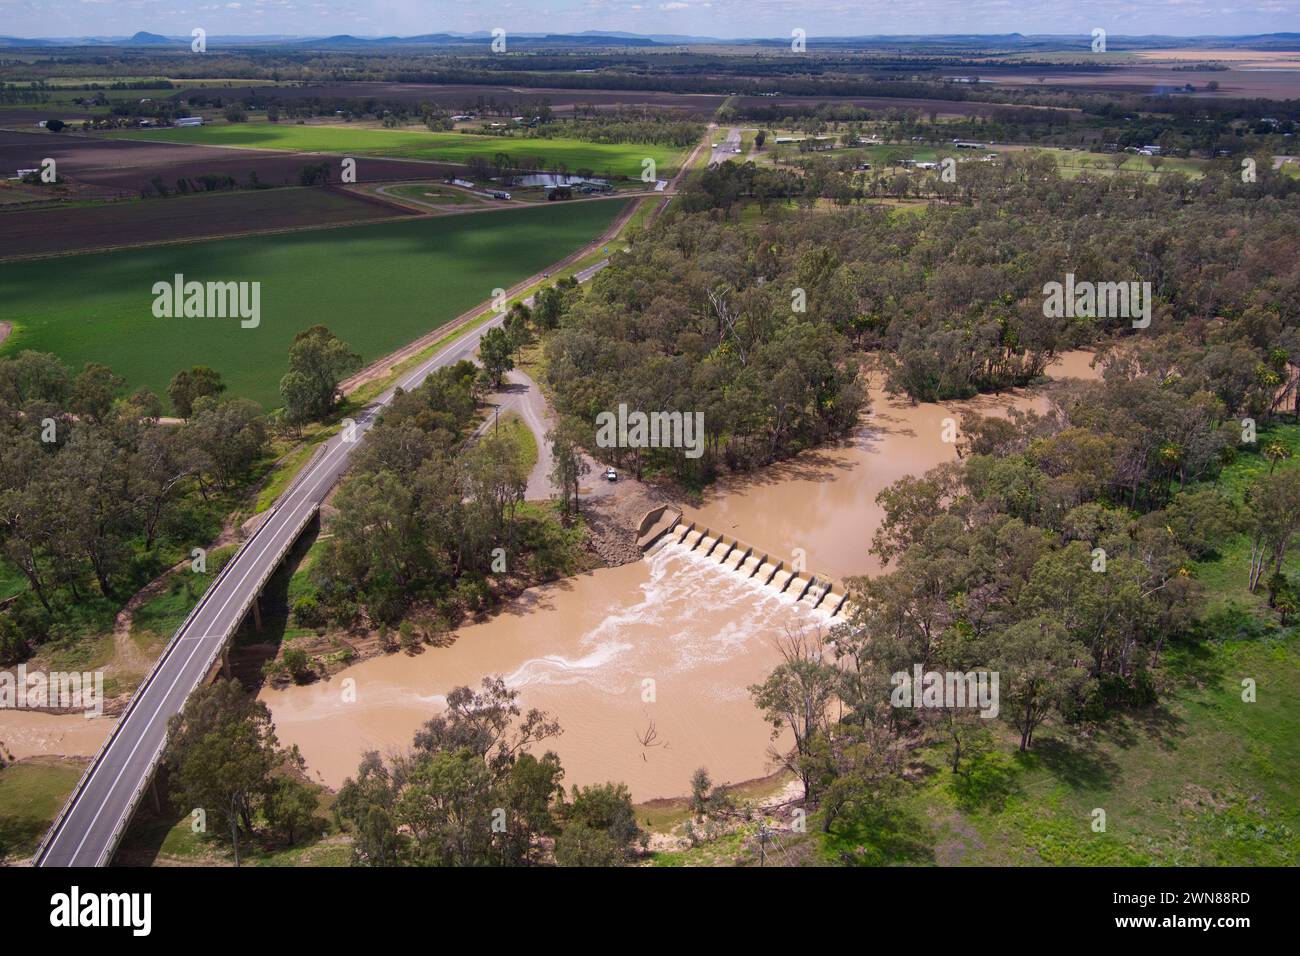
811, 589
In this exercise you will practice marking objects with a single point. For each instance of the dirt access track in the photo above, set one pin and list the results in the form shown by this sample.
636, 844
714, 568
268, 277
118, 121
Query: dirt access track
123, 167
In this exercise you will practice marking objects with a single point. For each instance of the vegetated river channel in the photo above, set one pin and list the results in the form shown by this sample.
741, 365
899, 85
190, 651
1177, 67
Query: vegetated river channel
583, 648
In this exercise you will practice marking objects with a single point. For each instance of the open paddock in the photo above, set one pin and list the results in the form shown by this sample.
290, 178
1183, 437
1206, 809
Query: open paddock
30, 233
605, 159
1146, 80
378, 287
125, 166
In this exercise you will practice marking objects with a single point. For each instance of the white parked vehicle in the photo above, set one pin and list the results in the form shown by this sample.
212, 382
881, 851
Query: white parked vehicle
611, 474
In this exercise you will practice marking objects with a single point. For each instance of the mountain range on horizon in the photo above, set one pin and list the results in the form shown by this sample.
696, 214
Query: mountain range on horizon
599, 38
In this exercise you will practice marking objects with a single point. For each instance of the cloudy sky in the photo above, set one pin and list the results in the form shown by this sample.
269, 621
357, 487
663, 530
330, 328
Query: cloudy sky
723, 18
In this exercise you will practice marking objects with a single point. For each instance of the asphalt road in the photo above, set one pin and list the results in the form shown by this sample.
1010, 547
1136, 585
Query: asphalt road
726, 148
521, 396
87, 833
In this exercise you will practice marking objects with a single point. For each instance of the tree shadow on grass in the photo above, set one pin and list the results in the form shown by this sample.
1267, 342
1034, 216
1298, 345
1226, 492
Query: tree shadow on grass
1079, 763
1133, 726
881, 834
985, 782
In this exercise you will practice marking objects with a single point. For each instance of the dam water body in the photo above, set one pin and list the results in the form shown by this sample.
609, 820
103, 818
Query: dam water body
701, 631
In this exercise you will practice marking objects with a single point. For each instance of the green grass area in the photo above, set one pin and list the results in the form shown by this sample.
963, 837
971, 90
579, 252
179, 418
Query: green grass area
1073, 163
12, 580
606, 159
1202, 778
513, 426
377, 287
31, 793
157, 619
636, 222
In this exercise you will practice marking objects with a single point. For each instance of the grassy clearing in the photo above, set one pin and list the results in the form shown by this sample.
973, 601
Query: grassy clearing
157, 619
377, 287
606, 159
31, 793
512, 426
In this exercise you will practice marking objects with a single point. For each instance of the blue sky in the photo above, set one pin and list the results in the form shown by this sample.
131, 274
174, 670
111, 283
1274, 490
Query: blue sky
724, 18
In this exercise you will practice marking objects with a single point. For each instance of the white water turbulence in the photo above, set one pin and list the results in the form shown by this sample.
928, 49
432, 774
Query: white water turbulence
646, 668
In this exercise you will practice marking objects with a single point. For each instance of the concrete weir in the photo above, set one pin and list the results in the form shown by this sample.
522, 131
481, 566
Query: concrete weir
666, 523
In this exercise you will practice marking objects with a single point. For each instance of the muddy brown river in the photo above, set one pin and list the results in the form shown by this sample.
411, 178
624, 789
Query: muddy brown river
646, 666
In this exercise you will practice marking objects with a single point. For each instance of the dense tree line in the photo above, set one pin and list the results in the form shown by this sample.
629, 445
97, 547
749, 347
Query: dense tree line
1058, 551
954, 297
627, 126
425, 517
667, 332
469, 792
97, 496
229, 774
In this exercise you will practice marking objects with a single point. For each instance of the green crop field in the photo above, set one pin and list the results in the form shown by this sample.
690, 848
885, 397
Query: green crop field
377, 287
613, 159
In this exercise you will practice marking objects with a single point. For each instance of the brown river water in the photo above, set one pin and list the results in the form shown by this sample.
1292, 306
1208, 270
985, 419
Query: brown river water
584, 648
646, 666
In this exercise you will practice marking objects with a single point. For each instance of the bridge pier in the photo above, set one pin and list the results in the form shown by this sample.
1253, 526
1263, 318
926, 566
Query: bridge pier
257, 613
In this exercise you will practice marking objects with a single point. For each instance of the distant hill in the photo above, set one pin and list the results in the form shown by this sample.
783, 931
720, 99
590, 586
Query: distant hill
152, 39
589, 39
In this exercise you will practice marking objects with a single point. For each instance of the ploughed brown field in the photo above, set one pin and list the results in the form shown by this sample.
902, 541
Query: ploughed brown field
124, 167
1281, 83
48, 230
468, 95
